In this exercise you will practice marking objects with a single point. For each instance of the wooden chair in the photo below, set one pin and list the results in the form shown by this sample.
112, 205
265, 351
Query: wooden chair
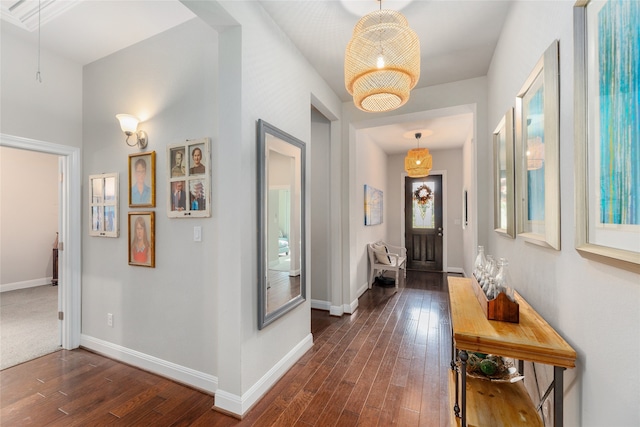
384, 257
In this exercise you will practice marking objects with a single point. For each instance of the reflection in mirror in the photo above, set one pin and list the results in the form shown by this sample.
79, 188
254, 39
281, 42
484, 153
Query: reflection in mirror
281, 280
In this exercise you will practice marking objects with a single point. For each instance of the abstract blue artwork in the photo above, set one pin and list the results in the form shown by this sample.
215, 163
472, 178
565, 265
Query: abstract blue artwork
619, 135
535, 156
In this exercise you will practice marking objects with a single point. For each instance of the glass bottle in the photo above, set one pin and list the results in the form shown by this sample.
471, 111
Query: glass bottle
492, 291
478, 266
503, 279
489, 273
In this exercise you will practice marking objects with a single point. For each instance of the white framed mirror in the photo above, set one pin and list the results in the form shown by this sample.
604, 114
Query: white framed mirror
281, 240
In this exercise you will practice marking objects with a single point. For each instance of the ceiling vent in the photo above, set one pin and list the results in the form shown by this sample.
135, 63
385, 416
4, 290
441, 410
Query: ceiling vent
24, 13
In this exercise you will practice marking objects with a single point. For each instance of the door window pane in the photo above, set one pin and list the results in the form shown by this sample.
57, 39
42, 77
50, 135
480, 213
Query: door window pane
423, 212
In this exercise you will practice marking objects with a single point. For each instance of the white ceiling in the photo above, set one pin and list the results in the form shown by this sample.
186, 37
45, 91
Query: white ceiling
457, 40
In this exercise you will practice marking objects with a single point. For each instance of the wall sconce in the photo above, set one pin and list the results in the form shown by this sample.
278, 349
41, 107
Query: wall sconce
129, 125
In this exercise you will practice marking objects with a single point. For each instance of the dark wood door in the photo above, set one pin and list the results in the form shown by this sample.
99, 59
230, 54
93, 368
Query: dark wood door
423, 223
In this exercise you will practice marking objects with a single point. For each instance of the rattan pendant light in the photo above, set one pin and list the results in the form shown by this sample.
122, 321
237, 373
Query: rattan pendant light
382, 61
418, 162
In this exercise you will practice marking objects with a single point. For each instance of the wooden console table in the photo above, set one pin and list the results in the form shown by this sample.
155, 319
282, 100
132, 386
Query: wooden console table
532, 339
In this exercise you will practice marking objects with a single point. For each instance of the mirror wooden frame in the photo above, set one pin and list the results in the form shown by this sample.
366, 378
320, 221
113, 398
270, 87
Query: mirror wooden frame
267, 136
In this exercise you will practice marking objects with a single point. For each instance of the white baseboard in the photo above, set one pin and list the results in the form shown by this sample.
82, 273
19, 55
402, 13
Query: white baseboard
455, 270
336, 310
26, 284
196, 379
321, 305
351, 308
239, 405
364, 288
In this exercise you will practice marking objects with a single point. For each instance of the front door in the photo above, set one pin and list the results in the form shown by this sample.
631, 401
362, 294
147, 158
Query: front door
423, 222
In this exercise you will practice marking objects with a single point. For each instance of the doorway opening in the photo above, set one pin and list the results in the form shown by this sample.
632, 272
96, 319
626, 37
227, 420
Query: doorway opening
29, 326
69, 218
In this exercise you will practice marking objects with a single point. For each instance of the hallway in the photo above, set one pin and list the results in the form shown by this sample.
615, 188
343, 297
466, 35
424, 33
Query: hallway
385, 364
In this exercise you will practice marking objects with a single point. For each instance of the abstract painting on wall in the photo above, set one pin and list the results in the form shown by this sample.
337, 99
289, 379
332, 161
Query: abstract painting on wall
537, 152
619, 94
607, 131
372, 206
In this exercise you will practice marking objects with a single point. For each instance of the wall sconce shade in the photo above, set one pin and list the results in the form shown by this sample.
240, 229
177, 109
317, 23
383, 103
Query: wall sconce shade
382, 61
129, 125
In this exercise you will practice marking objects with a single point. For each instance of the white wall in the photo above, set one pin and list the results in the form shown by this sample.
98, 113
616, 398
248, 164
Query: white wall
50, 111
371, 170
592, 305
166, 312
319, 175
28, 217
469, 184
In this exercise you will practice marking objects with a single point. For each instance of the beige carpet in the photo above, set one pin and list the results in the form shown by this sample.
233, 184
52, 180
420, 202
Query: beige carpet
28, 324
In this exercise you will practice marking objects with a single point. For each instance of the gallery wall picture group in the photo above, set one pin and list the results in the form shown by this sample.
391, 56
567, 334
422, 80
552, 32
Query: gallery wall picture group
526, 158
607, 125
189, 179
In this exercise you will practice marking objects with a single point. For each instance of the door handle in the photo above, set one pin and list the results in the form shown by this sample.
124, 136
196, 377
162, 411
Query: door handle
440, 234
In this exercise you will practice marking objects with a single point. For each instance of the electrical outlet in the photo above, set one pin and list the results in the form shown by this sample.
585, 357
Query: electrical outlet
110, 319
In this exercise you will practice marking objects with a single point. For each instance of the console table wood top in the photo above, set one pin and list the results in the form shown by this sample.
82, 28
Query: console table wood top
532, 339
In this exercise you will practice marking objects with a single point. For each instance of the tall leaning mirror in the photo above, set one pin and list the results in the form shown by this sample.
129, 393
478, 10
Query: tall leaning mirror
281, 242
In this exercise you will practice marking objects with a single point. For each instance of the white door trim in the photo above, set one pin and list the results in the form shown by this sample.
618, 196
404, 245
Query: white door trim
70, 266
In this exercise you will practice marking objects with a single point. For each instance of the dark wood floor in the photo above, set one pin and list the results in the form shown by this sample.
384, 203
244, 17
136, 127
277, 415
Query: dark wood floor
385, 364
282, 289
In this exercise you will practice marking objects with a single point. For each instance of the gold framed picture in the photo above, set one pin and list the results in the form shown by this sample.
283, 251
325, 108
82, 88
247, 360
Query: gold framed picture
142, 180
142, 236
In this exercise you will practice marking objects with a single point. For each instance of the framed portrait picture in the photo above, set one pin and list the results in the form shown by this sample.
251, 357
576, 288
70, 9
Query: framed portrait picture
503, 177
142, 180
537, 153
607, 129
103, 205
142, 239
189, 179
